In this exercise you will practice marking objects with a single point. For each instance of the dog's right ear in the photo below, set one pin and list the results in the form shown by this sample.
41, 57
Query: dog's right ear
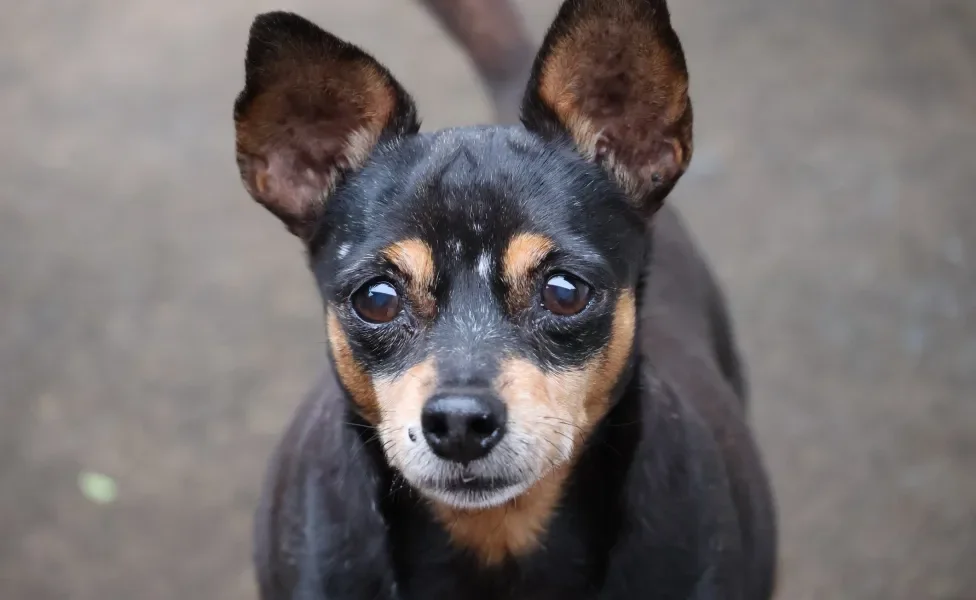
312, 110
611, 76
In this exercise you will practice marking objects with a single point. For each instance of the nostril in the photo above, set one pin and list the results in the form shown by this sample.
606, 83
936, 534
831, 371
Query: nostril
435, 423
483, 425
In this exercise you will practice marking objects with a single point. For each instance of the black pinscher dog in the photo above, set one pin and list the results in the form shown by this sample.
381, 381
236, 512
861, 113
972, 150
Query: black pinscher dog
533, 390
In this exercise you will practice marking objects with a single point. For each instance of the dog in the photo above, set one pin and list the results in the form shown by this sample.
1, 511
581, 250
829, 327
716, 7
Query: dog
533, 389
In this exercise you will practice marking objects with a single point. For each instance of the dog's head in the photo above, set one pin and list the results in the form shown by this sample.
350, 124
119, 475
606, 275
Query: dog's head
479, 283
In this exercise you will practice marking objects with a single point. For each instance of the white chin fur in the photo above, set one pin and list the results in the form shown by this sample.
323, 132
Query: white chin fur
476, 500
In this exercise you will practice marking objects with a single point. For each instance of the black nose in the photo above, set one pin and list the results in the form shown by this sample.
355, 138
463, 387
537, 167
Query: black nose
463, 427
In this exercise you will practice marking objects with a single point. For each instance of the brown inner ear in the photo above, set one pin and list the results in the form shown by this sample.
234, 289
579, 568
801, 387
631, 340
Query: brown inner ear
312, 120
615, 77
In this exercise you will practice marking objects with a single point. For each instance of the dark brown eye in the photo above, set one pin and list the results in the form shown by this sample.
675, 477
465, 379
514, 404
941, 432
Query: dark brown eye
376, 302
565, 295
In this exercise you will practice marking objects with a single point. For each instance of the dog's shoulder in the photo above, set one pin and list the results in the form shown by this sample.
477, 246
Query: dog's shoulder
318, 508
683, 308
685, 330
687, 340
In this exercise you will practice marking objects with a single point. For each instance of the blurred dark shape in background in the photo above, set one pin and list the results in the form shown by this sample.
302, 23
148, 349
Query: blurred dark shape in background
492, 34
156, 329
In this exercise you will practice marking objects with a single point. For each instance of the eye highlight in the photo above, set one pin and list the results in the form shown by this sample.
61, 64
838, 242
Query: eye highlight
565, 295
377, 302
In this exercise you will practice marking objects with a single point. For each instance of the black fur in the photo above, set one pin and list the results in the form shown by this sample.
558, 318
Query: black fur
668, 500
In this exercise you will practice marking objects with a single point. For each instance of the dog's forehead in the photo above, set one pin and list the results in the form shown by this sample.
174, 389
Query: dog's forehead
462, 191
482, 187
485, 180
466, 194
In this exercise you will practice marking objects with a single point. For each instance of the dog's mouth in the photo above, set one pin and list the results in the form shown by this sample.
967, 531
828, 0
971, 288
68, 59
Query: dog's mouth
477, 493
469, 490
470, 482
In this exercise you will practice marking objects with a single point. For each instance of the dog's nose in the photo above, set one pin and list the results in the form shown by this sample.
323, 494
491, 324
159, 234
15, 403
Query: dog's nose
463, 427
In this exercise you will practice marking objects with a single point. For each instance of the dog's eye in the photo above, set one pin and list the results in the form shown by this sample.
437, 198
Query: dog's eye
565, 295
376, 302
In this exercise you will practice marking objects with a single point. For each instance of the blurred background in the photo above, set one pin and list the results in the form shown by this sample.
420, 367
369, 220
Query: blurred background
157, 327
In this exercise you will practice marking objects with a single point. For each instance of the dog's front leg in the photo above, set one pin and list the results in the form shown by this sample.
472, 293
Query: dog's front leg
680, 535
674, 556
319, 533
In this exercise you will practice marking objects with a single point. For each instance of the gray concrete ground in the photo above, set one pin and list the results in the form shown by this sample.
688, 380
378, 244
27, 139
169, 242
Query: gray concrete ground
157, 326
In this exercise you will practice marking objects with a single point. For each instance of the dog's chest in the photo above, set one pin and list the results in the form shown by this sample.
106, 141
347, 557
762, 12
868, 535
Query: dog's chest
429, 566
553, 585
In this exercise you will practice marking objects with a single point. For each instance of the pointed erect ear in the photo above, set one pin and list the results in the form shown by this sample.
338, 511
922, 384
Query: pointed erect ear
611, 75
312, 109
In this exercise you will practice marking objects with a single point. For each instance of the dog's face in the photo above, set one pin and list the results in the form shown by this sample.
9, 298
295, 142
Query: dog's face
479, 283
479, 287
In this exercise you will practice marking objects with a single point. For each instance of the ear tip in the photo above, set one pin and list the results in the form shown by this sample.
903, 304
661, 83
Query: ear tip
278, 22
656, 10
269, 32
277, 33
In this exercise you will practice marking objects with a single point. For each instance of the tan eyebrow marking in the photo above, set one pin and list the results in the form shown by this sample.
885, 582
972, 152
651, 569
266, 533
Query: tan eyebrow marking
415, 259
525, 252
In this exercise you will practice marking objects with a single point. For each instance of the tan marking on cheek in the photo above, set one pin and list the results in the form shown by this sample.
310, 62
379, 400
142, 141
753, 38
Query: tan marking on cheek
558, 410
604, 373
400, 400
525, 252
353, 377
415, 260
540, 403
578, 398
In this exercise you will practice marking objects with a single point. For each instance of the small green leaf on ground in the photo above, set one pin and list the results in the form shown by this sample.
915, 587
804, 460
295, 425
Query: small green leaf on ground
99, 488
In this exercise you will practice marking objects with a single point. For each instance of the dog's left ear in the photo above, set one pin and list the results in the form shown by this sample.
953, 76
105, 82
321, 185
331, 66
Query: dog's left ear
312, 110
611, 75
